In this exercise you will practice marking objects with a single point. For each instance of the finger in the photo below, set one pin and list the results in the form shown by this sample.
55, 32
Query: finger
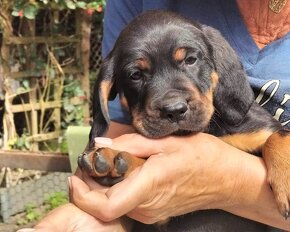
103, 142
84, 198
57, 220
89, 180
137, 144
27, 230
119, 200
93, 184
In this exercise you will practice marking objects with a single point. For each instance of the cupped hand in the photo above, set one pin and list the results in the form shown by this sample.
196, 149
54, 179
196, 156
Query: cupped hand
70, 218
182, 174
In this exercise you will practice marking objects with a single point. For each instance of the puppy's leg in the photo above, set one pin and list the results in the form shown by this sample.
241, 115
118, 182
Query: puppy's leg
276, 153
126, 224
108, 166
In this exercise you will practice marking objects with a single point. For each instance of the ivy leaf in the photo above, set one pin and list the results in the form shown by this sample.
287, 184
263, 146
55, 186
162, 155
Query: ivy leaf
92, 4
30, 11
25, 84
15, 13
81, 5
70, 4
44, 2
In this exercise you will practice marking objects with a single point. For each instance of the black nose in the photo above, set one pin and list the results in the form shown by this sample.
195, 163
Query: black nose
174, 112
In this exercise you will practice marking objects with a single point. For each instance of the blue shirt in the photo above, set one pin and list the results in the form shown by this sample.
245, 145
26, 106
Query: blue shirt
268, 69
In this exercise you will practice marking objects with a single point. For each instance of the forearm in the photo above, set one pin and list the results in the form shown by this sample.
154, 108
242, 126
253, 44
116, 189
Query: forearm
198, 172
252, 197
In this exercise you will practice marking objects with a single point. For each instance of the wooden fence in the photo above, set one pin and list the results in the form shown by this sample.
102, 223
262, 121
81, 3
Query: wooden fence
38, 104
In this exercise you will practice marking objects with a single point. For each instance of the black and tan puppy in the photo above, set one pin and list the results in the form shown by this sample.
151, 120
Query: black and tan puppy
177, 77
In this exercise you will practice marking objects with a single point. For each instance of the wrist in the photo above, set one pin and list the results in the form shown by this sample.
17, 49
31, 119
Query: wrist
234, 169
242, 174
220, 170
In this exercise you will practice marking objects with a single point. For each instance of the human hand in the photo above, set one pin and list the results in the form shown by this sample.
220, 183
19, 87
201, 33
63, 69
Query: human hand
70, 218
181, 175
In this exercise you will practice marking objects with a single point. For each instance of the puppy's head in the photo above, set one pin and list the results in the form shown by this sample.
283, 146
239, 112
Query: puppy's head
172, 75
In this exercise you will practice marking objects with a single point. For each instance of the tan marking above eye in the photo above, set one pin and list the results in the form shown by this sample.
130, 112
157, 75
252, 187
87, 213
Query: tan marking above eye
179, 55
143, 64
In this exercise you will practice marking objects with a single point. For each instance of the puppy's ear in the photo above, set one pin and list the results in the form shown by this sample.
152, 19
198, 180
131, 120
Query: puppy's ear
104, 90
233, 95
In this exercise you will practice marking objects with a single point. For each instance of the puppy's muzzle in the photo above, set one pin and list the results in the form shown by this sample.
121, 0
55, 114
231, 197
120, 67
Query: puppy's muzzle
174, 111
173, 105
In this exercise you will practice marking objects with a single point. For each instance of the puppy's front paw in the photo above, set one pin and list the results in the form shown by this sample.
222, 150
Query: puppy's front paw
276, 153
108, 166
279, 180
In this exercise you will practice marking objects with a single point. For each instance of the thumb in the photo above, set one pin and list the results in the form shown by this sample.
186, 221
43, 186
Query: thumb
118, 201
87, 200
135, 144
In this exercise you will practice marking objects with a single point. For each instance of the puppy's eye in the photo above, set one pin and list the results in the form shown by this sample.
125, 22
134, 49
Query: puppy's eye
190, 60
136, 76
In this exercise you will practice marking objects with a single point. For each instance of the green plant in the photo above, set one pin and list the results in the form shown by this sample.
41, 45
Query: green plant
30, 8
73, 98
54, 200
32, 213
20, 143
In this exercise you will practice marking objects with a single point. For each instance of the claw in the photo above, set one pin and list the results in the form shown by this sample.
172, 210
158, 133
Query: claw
80, 157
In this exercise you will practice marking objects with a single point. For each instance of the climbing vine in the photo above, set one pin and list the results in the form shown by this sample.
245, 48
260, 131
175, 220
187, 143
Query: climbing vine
30, 8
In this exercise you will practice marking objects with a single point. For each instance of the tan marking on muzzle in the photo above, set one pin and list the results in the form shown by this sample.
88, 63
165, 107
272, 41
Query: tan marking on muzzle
124, 102
214, 79
204, 100
137, 121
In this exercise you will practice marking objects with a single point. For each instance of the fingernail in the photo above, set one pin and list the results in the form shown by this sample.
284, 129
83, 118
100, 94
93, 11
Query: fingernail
26, 230
103, 141
69, 182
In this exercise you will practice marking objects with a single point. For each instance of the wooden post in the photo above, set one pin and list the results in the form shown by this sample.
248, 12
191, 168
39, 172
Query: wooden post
33, 106
29, 30
8, 120
83, 26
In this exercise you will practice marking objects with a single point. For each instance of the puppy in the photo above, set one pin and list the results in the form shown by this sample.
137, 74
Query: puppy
177, 77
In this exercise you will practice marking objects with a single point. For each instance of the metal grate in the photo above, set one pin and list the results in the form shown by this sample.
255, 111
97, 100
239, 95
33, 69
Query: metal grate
14, 199
96, 41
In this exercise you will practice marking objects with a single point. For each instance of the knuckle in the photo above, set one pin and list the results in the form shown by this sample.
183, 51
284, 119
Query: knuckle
147, 218
107, 215
149, 221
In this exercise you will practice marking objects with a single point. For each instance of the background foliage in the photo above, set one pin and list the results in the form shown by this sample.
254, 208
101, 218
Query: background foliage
30, 8
44, 65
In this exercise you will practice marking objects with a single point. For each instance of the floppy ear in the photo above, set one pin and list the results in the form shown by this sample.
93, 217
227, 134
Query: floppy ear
104, 90
233, 95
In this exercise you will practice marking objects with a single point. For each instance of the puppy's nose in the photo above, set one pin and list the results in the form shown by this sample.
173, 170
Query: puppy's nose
174, 112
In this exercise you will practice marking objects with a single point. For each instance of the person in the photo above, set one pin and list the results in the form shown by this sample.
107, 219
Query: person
146, 195
218, 176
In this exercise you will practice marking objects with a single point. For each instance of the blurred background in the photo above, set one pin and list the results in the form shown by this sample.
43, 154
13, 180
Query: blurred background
50, 57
